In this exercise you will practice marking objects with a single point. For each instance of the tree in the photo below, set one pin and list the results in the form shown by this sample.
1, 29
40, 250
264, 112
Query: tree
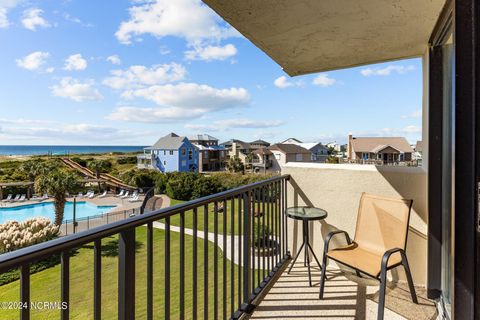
99, 166
57, 183
234, 164
33, 168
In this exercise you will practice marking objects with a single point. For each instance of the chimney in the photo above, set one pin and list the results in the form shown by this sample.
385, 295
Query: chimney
349, 147
234, 149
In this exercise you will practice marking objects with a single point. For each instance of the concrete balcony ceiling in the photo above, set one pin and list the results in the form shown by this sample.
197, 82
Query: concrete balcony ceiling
307, 36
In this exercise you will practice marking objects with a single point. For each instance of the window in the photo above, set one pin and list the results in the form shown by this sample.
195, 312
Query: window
298, 157
184, 151
190, 154
171, 152
222, 154
164, 162
184, 163
365, 155
205, 154
164, 152
277, 156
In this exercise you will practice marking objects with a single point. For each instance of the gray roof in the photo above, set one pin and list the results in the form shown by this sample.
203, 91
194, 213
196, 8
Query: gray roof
288, 148
202, 137
260, 142
241, 144
170, 142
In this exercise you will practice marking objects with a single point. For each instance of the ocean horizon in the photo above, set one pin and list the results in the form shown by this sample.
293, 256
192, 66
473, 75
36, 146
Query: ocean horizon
38, 150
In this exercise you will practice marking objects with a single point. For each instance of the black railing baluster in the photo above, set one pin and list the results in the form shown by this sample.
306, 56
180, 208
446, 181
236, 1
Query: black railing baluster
277, 242
240, 253
264, 244
182, 265
194, 263
215, 261
25, 291
232, 255
126, 274
150, 271
272, 241
97, 279
224, 276
257, 199
269, 237
282, 205
205, 262
167, 268
246, 246
286, 220
252, 238
65, 283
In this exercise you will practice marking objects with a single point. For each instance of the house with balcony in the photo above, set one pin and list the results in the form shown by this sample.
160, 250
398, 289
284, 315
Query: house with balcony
170, 153
237, 148
229, 267
257, 144
212, 157
379, 150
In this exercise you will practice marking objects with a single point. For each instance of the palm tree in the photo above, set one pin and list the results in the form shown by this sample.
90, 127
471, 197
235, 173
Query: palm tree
99, 166
234, 164
57, 183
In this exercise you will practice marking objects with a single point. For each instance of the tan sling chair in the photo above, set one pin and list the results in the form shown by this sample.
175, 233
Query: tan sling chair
379, 243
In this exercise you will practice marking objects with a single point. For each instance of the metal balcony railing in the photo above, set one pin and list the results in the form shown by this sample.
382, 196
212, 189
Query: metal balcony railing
247, 253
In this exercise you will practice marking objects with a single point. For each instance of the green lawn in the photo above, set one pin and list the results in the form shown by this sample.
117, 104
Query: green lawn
45, 285
175, 220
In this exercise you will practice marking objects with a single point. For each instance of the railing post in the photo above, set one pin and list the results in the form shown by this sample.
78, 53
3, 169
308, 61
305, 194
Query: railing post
126, 275
246, 250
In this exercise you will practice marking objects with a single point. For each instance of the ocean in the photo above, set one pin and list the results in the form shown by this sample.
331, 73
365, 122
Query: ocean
64, 150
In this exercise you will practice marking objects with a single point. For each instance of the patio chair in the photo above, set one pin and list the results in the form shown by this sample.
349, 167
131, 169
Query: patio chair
379, 244
8, 198
17, 197
121, 193
125, 196
103, 195
22, 198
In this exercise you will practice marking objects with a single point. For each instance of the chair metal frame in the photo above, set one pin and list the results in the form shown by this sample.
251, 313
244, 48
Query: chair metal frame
382, 277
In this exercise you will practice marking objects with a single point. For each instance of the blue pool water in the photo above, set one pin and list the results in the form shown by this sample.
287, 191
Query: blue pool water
47, 210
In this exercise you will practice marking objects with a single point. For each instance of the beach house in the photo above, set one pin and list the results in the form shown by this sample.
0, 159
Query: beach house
169, 154
384, 150
212, 157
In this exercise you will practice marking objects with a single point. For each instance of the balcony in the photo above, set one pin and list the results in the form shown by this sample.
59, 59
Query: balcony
225, 255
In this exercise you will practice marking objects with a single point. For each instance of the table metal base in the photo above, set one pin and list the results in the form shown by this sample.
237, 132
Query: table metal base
307, 247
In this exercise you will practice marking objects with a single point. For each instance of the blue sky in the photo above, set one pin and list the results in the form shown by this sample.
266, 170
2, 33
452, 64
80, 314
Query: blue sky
117, 72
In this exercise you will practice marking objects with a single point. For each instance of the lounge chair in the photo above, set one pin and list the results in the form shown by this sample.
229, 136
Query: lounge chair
79, 195
91, 194
17, 197
44, 197
122, 192
134, 198
8, 198
125, 195
379, 243
22, 198
103, 195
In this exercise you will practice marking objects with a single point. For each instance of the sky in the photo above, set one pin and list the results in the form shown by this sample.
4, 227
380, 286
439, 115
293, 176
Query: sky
118, 72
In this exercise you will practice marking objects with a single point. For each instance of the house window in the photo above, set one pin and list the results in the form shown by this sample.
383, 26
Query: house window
184, 163
205, 154
184, 151
277, 156
190, 154
171, 152
298, 157
365, 155
164, 162
164, 152
222, 154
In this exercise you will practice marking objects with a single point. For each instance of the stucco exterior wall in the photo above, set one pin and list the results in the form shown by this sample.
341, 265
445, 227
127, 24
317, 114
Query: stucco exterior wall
337, 189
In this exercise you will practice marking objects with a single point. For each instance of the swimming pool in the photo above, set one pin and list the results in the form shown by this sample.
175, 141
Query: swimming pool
47, 210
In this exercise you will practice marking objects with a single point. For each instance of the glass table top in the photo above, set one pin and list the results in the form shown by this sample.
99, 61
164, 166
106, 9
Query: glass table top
306, 213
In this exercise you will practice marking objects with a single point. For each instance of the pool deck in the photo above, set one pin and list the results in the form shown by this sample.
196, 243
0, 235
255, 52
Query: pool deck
110, 200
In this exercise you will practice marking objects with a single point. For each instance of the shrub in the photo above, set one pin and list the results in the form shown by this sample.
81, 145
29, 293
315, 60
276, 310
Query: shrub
180, 186
127, 160
80, 161
205, 186
15, 235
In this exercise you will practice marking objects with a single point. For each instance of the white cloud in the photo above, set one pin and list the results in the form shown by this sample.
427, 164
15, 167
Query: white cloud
5, 6
139, 76
282, 83
182, 101
34, 61
32, 18
323, 80
114, 59
191, 96
22, 121
76, 20
75, 90
387, 70
413, 115
242, 123
187, 19
68, 133
209, 53
75, 62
